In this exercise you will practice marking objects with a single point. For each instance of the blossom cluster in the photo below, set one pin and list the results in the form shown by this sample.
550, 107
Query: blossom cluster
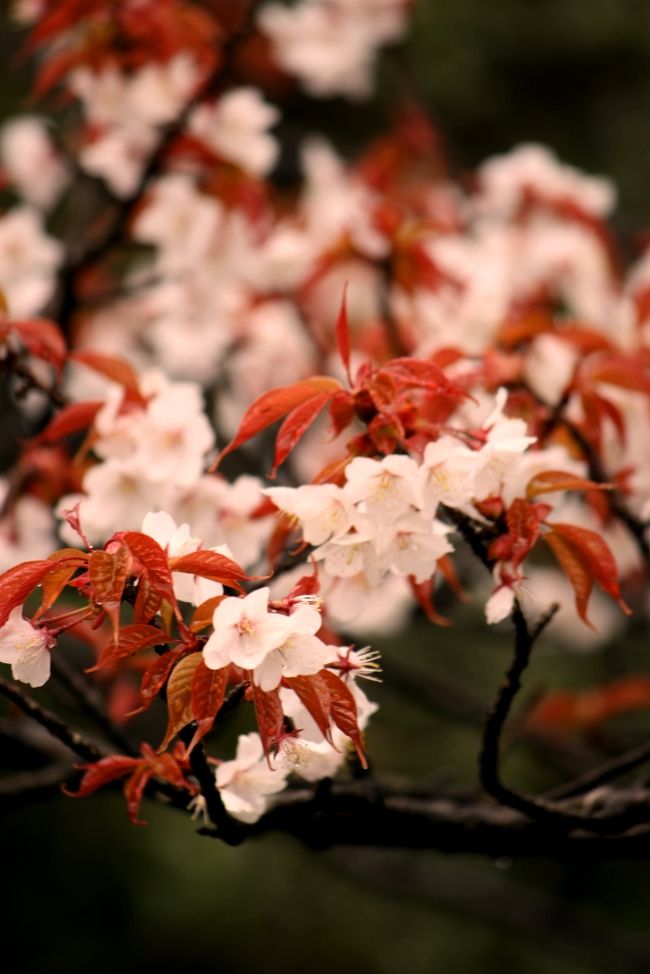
485, 379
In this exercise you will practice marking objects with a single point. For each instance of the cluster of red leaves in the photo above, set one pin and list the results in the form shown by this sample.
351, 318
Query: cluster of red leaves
72, 33
582, 554
580, 710
403, 405
171, 768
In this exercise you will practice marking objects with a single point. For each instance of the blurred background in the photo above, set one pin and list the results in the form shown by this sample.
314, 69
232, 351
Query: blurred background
85, 891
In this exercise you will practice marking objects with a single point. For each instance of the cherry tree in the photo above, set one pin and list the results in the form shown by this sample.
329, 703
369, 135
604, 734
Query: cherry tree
255, 424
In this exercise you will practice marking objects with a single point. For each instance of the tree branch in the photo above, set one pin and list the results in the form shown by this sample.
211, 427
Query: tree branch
56, 727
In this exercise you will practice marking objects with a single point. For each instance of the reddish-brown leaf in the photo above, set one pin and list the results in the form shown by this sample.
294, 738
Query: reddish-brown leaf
619, 370
269, 717
570, 710
342, 331
113, 368
208, 691
411, 372
134, 790
523, 519
153, 562
203, 613
209, 564
275, 404
343, 710
41, 338
295, 426
156, 675
101, 773
71, 419
147, 602
551, 480
19, 582
179, 697
314, 695
423, 593
54, 583
132, 639
585, 557
108, 572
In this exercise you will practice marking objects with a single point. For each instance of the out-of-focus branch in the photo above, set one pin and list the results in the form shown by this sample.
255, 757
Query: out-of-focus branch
123, 210
72, 739
90, 701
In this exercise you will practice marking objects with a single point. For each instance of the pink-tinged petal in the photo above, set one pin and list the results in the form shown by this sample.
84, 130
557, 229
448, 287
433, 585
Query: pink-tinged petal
228, 613
500, 604
217, 652
304, 655
33, 666
268, 674
274, 629
306, 620
257, 603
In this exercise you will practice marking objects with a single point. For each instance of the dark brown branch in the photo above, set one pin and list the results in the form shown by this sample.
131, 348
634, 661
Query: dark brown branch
618, 818
117, 228
90, 702
56, 727
352, 816
228, 829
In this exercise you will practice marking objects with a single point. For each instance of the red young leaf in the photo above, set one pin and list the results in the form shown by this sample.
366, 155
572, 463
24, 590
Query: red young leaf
585, 557
101, 773
204, 612
179, 697
623, 371
208, 691
41, 338
147, 602
270, 718
343, 334
134, 790
113, 368
71, 419
343, 709
209, 564
422, 374
153, 561
108, 572
156, 675
19, 582
54, 583
423, 593
549, 481
273, 405
295, 426
131, 640
314, 695
523, 519
571, 710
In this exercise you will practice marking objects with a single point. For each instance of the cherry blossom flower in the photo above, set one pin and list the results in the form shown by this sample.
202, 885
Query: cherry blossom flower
300, 654
245, 631
324, 510
28, 156
386, 489
236, 127
247, 783
26, 648
28, 261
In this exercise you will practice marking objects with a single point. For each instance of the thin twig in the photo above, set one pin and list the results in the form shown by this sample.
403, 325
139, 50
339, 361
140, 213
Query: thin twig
607, 771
